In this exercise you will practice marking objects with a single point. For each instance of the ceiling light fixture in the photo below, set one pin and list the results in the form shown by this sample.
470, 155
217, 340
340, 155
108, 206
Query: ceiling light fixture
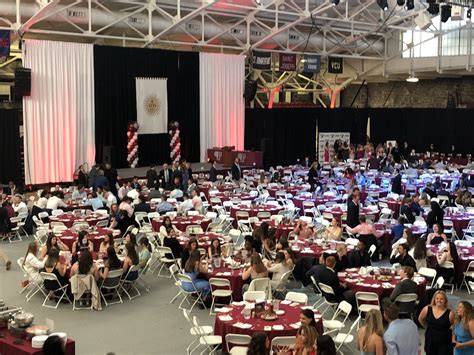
412, 78
383, 4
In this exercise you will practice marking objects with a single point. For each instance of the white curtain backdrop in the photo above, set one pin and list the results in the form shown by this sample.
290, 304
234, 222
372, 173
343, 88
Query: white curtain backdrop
222, 104
59, 115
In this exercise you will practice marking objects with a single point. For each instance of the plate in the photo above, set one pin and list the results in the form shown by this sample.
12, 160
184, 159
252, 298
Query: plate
269, 317
280, 312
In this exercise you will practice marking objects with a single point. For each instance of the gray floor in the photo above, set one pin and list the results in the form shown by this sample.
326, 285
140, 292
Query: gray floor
146, 325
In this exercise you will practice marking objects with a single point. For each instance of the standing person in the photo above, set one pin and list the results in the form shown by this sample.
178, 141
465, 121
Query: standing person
353, 211
92, 175
313, 176
397, 183
151, 177
326, 152
370, 336
112, 177
213, 172
463, 333
401, 336
165, 177
82, 175
438, 320
236, 171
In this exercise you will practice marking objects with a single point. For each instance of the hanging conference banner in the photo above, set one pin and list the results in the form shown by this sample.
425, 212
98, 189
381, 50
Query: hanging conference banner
312, 63
261, 60
335, 65
152, 105
330, 138
287, 62
4, 43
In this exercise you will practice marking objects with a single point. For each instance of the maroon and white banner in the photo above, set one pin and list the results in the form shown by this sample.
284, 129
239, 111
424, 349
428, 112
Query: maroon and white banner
287, 62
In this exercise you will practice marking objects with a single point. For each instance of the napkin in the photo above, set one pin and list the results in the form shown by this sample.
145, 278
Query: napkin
242, 325
278, 327
222, 310
241, 303
285, 302
296, 325
225, 318
294, 304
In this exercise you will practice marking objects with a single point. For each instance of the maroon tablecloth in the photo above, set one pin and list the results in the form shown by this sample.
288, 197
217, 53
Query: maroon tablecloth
289, 190
282, 230
68, 237
337, 212
394, 205
222, 188
182, 222
460, 221
466, 255
235, 279
357, 283
69, 219
254, 210
365, 192
7, 346
320, 200
71, 206
204, 239
291, 316
228, 195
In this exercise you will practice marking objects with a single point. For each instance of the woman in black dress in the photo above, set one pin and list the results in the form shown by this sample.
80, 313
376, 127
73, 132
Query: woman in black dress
438, 320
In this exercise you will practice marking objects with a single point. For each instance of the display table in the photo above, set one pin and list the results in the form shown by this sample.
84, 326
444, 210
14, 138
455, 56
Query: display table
226, 156
220, 155
8, 346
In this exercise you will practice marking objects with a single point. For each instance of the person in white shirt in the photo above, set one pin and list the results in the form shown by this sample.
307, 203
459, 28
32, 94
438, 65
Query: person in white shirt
109, 198
80, 193
19, 206
54, 202
186, 205
197, 202
32, 264
43, 200
125, 205
124, 189
133, 194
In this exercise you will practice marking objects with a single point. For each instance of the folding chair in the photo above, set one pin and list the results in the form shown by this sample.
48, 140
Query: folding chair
429, 274
206, 329
342, 339
344, 308
57, 212
102, 224
469, 273
327, 291
254, 295
318, 293
281, 342
220, 288
57, 292
280, 288
297, 297
162, 253
111, 284
210, 342
407, 303
130, 284
141, 273
33, 286
450, 282
183, 278
261, 284
362, 298
241, 342
194, 229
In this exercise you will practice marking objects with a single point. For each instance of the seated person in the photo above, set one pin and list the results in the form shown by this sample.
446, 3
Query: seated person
106, 243
142, 206
164, 206
193, 267
269, 245
329, 277
342, 260
402, 257
406, 211
367, 232
31, 264
215, 249
95, 201
256, 270
316, 269
282, 244
85, 265
437, 236
278, 268
302, 230
289, 257
82, 243
333, 231
397, 230
192, 246
168, 228
52, 242
415, 207
131, 259
111, 263
359, 257
54, 265
447, 254
145, 251
247, 250
406, 284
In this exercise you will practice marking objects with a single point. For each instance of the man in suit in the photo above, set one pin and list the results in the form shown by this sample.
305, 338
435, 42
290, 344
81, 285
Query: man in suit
402, 257
329, 277
236, 171
112, 177
405, 286
359, 257
165, 177
353, 210
397, 183
213, 172
405, 210
151, 177
100, 180
373, 163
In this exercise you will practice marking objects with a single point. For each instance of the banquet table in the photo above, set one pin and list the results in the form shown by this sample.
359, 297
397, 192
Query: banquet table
465, 254
204, 239
73, 205
365, 192
305, 248
68, 237
182, 222
8, 346
254, 210
282, 229
286, 324
233, 275
371, 283
288, 189
228, 195
387, 233
319, 200
221, 188
393, 204
460, 221
337, 211
70, 219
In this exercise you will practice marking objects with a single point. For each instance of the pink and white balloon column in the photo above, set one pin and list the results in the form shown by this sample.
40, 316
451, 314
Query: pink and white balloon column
175, 142
132, 145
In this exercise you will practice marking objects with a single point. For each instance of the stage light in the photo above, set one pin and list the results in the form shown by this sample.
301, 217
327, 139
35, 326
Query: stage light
410, 5
433, 9
383, 4
335, 2
400, 2
445, 13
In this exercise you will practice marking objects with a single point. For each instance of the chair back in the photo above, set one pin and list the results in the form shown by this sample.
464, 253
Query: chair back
429, 274
262, 284
237, 339
366, 298
254, 295
297, 297
281, 342
113, 279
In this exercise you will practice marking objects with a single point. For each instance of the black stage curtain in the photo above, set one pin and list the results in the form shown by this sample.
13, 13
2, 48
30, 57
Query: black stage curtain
290, 134
421, 127
115, 100
10, 147
349, 120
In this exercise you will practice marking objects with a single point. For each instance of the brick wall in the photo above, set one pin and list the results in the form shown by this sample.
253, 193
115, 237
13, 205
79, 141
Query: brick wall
425, 93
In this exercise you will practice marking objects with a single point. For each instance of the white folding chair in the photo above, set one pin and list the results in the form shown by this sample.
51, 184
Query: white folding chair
327, 292
450, 282
57, 212
56, 292
429, 274
469, 273
261, 284
407, 303
254, 295
111, 286
206, 329
33, 286
362, 298
210, 342
187, 295
264, 215
220, 288
342, 339
162, 253
128, 286
297, 297
237, 343
318, 293
194, 229
344, 309
102, 224
281, 342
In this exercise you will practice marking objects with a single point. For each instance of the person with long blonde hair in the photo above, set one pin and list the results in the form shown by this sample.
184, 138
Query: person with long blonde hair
306, 341
370, 336
438, 320
463, 332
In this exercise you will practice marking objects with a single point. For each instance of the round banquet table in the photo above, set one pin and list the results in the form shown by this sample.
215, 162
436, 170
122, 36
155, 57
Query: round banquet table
282, 230
460, 221
182, 222
226, 187
365, 192
204, 239
254, 210
226, 196
337, 212
289, 190
68, 237
320, 200
289, 322
70, 219
233, 275
72, 205
357, 283
466, 255
393, 204
303, 248
387, 233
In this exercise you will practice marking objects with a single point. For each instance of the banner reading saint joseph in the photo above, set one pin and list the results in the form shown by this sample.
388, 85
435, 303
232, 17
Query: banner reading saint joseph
152, 105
